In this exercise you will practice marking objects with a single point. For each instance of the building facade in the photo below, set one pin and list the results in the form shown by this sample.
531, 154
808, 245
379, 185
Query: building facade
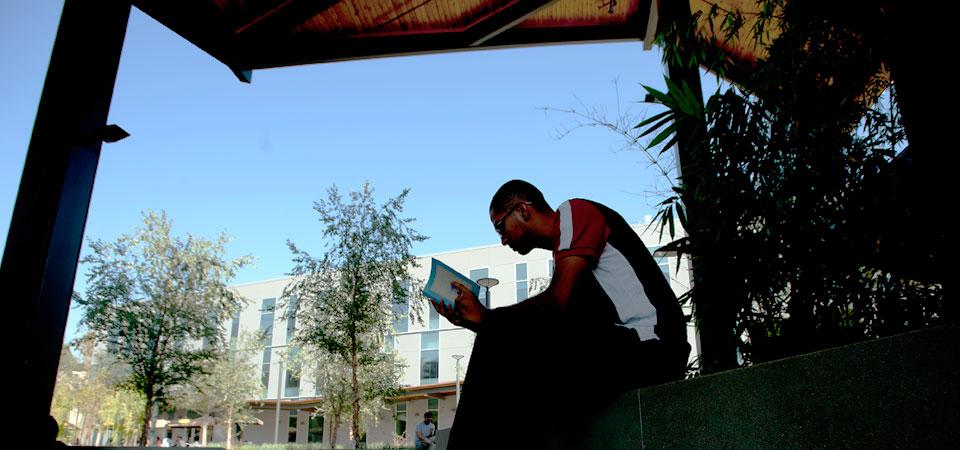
429, 349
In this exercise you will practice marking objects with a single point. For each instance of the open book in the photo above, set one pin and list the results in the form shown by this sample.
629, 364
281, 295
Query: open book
438, 287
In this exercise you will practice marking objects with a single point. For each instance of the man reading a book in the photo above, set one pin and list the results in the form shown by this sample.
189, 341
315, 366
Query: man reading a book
608, 322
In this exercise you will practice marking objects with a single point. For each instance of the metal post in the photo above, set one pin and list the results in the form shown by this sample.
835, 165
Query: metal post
46, 230
458, 357
276, 425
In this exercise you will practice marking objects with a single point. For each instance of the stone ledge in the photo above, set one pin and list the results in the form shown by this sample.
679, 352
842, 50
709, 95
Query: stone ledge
897, 392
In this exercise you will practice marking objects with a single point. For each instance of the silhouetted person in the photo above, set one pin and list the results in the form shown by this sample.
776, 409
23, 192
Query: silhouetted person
608, 322
50, 431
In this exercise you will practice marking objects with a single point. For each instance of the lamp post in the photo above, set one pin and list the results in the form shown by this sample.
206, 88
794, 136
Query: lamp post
458, 357
276, 425
488, 283
280, 379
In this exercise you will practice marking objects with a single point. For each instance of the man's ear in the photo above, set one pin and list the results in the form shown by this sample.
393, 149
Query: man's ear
525, 211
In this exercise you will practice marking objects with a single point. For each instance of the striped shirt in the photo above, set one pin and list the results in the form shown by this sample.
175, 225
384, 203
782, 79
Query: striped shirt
626, 286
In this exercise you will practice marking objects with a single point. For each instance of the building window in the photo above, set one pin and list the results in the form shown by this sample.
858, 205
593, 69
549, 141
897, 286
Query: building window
429, 357
434, 322
433, 405
266, 327
662, 261
266, 315
291, 387
400, 419
292, 427
389, 343
291, 319
522, 287
476, 274
235, 327
265, 378
315, 429
401, 310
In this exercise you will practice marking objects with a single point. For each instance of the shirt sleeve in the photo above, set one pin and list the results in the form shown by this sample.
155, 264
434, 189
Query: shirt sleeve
583, 231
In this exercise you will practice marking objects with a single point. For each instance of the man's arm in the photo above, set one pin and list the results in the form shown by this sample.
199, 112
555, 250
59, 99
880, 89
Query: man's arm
567, 271
470, 313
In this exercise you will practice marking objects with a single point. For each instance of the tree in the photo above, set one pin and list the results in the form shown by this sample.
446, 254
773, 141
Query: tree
789, 181
65, 395
68, 362
332, 376
122, 412
345, 298
222, 392
157, 303
793, 183
538, 285
88, 397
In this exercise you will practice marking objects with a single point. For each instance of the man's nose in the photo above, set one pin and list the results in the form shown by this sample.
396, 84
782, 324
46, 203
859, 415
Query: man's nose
503, 240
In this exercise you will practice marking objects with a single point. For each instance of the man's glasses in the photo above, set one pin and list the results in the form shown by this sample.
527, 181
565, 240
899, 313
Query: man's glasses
498, 225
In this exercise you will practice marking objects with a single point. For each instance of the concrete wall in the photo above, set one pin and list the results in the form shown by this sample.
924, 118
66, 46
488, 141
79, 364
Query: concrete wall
897, 392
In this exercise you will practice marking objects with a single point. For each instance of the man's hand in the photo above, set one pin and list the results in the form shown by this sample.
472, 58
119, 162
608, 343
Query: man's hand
467, 311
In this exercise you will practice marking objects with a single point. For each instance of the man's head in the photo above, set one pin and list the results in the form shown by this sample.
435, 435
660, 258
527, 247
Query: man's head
427, 417
514, 212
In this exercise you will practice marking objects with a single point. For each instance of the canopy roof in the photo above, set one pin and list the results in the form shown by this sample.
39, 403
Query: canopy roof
256, 34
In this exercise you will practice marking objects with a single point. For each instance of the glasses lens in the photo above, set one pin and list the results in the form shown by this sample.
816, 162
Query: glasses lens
498, 225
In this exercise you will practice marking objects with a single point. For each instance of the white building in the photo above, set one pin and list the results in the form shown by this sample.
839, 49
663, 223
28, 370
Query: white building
427, 348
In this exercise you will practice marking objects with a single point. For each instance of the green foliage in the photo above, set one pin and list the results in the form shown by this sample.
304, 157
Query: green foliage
157, 303
228, 382
344, 299
89, 398
377, 381
789, 183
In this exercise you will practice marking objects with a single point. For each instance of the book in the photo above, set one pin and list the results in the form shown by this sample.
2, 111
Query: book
438, 288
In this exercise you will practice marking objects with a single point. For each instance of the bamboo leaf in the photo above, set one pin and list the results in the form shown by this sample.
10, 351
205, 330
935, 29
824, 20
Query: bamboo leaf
657, 126
653, 119
666, 133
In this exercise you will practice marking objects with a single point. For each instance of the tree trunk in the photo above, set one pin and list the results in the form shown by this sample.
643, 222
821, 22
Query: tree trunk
712, 300
716, 313
355, 390
230, 429
147, 413
333, 432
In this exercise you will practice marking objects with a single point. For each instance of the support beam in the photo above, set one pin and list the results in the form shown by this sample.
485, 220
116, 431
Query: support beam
932, 144
653, 19
715, 320
46, 230
503, 20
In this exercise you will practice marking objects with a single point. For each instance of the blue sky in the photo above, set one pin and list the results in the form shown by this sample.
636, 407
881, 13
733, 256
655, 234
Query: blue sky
220, 155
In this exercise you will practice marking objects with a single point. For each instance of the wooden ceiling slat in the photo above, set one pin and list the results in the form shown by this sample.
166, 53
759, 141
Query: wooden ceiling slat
501, 20
286, 16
